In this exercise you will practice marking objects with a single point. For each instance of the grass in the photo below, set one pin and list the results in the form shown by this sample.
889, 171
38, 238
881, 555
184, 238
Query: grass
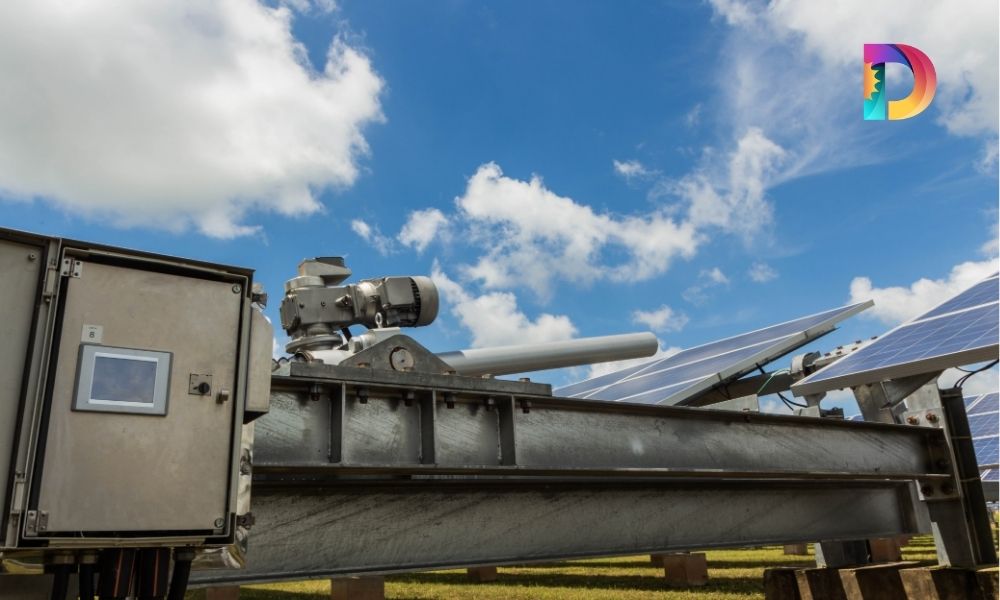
733, 574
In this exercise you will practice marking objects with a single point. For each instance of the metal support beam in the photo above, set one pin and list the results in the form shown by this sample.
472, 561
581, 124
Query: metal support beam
307, 531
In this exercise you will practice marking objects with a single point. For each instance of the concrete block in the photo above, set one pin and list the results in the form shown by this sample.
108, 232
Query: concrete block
685, 569
871, 582
482, 574
820, 584
987, 579
885, 550
780, 584
357, 588
940, 583
230, 592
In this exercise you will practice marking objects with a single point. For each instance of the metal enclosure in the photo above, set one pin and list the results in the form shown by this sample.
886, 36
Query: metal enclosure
132, 429
21, 264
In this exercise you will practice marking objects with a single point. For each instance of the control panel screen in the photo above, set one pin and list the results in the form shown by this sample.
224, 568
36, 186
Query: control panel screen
124, 380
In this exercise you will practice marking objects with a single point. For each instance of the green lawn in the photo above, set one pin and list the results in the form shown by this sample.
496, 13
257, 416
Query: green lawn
732, 574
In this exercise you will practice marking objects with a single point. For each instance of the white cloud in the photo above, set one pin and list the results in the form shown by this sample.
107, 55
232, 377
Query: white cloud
761, 272
661, 319
422, 228
693, 116
632, 169
599, 369
373, 236
176, 114
895, 304
494, 319
964, 53
732, 198
532, 237
707, 279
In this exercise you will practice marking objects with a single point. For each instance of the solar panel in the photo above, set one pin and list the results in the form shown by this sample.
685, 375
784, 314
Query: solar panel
991, 475
960, 331
987, 403
677, 378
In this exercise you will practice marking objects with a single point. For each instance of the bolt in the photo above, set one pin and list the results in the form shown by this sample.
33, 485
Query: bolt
219, 523
32, 256
236, 288
912, 420
933, 418
927, 490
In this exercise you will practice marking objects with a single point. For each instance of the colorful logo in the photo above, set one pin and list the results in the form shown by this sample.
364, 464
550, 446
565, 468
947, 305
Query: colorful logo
924, 82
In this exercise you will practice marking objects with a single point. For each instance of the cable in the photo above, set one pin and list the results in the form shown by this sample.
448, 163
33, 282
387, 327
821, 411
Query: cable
961, 381
790, 404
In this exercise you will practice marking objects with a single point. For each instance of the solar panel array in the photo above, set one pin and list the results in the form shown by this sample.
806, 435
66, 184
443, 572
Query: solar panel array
674, 379
961, 331
984, 412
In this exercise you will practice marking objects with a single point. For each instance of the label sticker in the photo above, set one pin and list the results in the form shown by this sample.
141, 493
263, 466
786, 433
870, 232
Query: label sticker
92, 334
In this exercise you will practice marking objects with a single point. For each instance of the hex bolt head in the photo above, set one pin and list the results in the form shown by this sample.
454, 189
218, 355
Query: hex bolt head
912, 420
933, 418
927, 490
237, 288
220, 522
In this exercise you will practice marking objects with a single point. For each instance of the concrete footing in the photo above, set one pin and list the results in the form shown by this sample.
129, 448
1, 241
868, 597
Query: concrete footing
891, 581
482, 574
885, 550
357, 588
683, 569
231, 592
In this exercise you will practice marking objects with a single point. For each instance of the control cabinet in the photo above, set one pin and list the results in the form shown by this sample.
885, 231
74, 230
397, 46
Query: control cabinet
123, 391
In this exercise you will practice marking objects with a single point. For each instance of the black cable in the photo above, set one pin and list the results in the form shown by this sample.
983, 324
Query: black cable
86, 581
182, 571
60, 582
961, 381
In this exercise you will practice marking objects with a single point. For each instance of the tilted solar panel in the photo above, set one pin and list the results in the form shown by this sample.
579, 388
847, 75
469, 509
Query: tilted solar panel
674, 379
983, 404
962, 330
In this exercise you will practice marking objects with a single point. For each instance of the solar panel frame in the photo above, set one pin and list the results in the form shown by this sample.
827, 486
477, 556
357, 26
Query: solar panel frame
980, 344
677, 393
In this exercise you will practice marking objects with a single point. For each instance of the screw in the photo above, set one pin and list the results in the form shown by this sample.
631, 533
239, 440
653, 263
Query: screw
32, 256
933, 418
912, 420
236, 288
927, 490
220, 521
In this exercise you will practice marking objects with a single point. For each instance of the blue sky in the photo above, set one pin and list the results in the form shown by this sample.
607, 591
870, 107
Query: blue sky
702, 164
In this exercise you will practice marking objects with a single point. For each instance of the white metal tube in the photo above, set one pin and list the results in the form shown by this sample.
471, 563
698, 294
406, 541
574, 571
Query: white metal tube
522, 358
